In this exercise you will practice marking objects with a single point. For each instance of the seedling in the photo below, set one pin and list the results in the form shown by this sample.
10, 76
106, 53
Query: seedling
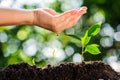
91, 48
53, 56
33, 61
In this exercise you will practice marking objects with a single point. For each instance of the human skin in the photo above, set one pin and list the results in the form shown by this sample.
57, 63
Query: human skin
44, 17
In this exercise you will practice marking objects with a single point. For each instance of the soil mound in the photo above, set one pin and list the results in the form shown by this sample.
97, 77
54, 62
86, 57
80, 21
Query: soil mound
63, 71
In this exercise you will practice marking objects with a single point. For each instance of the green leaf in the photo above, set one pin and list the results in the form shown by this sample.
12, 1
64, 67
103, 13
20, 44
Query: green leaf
95, 45
86, 38
2, 28
33, 61
94, 29
93, 49
74, 38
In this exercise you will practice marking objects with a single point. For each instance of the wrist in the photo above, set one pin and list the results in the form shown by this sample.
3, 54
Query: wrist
29, 17
37, 17
34, 20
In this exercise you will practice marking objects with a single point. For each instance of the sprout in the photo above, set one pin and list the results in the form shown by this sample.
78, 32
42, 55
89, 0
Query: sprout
53, 56
92, 31
33, 61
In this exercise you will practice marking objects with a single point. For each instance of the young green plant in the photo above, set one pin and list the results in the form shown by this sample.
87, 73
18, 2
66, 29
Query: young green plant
33, 61
91, 48
53, 56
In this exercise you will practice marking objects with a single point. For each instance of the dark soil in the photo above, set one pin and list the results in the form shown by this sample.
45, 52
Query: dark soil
63, 71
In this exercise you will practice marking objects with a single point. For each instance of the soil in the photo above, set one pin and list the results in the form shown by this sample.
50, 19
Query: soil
63, 71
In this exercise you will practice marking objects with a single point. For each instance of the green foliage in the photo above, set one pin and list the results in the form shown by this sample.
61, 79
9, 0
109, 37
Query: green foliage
85, 38
4, 28
33, 61
56, 5
74, 38
93, 49
92, 31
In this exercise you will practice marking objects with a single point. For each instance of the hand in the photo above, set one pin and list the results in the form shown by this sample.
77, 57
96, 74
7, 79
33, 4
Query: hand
51, 20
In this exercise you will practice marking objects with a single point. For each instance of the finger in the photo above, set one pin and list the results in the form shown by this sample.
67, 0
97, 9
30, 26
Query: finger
72, 20
82, 10
68, 23
70, 13
52, 12
80, 13
66, 15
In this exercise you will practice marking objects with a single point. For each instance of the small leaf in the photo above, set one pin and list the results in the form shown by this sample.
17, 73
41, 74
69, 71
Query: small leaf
33, 61
74, 38
86, 38
94, 29
95, 45
93, 49
2, 28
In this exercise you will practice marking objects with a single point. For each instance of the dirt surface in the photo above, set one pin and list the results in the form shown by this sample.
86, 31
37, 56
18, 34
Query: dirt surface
63, 71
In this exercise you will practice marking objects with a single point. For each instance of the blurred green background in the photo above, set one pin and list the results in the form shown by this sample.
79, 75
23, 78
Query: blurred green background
24, 43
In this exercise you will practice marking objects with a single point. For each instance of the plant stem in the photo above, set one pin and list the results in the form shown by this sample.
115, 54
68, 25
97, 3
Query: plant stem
82, 50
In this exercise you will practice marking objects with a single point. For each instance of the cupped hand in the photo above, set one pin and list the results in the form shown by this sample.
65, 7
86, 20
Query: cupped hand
51, 20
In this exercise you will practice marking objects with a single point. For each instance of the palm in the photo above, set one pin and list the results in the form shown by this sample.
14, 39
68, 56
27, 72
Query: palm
55, 22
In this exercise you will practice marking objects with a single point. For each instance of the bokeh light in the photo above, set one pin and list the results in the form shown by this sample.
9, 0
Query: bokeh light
3, 37
30, 47
50, 47
106, 41
77, 57
11, 48
99, 17
117, 36
118, 27
69, 50
107, 30
22, 34
74, 4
